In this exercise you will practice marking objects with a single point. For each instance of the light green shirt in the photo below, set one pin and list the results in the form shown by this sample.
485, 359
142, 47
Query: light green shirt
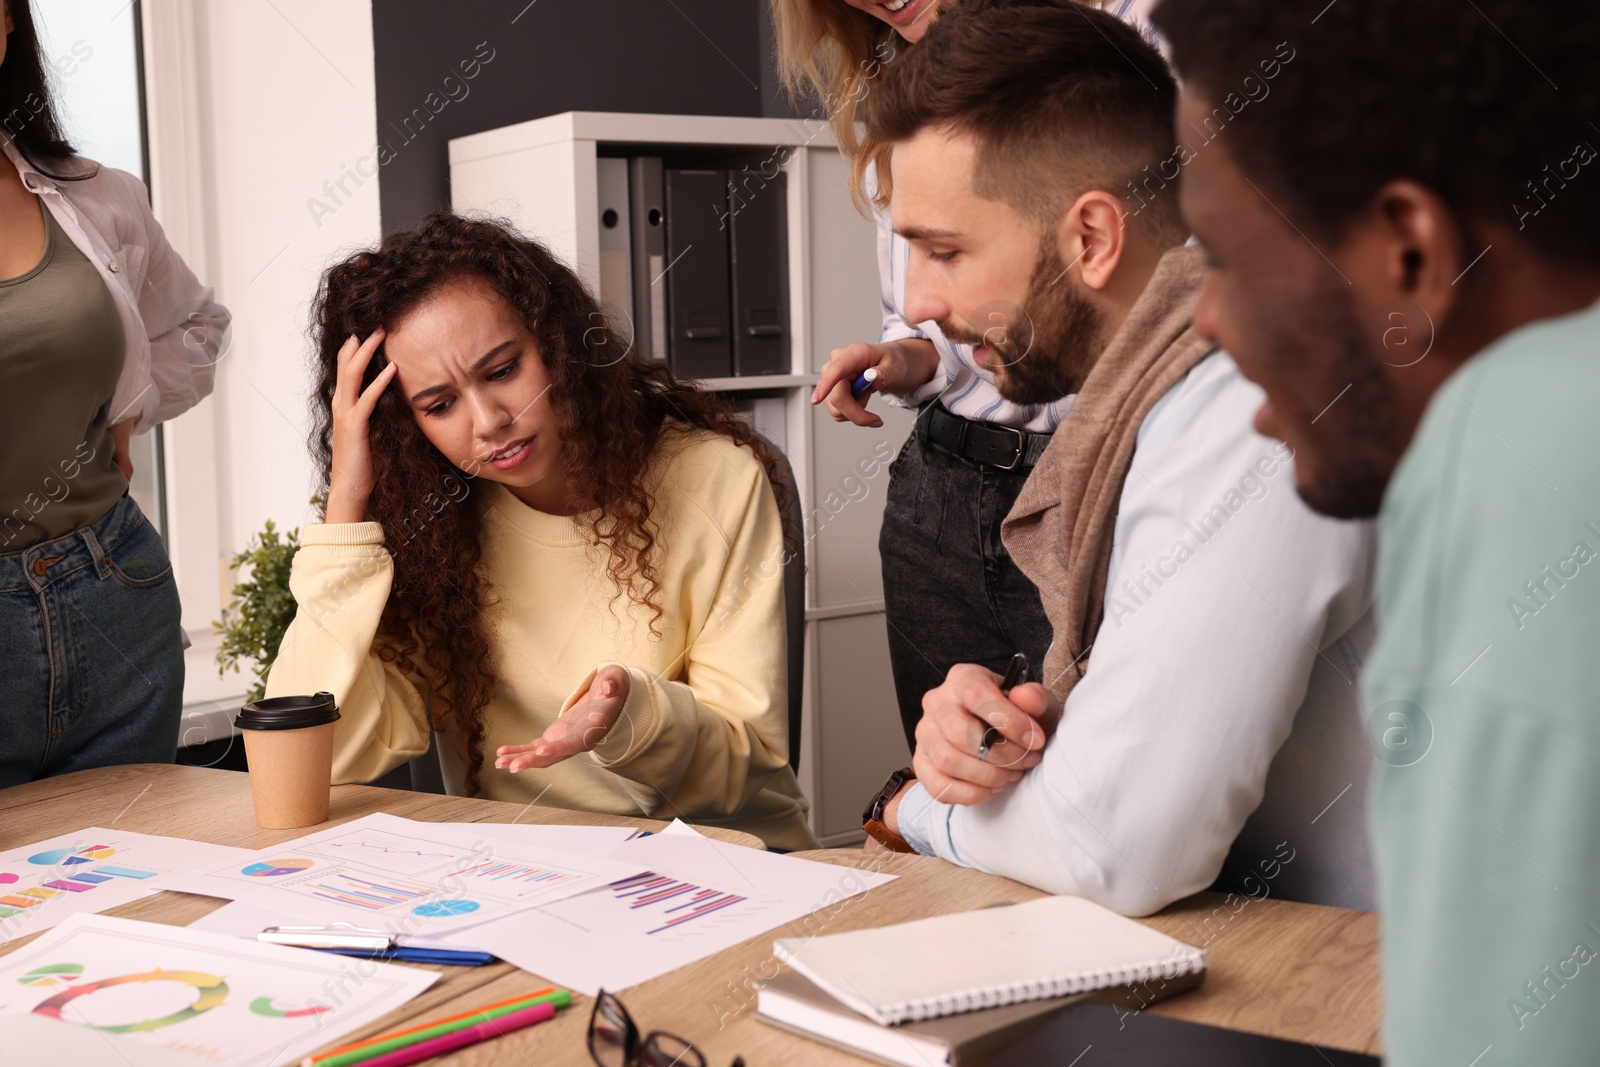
1483, 697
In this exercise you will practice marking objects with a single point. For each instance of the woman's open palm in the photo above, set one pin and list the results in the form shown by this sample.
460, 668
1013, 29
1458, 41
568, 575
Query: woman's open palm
581, 729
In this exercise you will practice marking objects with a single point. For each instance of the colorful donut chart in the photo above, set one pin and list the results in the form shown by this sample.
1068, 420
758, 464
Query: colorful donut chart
211, 989
52, 974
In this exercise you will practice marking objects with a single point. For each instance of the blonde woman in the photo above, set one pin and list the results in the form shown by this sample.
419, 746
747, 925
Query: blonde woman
952, 594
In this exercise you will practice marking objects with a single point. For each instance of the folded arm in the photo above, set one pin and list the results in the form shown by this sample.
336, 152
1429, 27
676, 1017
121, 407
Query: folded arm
1196, 674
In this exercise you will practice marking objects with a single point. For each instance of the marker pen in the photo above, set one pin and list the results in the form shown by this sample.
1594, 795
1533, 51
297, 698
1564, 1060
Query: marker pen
1016, 674
865, 381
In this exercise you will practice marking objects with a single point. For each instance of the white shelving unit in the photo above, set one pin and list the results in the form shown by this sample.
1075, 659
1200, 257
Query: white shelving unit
758, 382
542, 176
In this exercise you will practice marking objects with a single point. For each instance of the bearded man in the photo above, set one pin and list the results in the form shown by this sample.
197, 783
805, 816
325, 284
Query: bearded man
1201, 612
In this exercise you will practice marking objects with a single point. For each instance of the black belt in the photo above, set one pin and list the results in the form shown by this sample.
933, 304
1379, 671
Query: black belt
984, 442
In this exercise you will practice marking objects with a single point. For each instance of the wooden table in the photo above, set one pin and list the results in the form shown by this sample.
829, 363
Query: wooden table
1293, 971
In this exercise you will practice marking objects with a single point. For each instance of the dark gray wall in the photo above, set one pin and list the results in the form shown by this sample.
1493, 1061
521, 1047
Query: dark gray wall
446, 70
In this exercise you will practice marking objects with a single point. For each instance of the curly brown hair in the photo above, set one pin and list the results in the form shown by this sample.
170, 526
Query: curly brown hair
612, 405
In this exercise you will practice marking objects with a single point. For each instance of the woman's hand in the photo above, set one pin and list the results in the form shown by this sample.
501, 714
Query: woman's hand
351, 482
901, 365
122, 438
583, 727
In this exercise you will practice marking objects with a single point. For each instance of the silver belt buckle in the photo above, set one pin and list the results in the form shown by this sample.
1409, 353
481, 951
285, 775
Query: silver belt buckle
1022, 449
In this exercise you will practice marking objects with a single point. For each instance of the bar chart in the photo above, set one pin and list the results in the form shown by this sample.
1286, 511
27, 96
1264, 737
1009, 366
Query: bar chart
678, 902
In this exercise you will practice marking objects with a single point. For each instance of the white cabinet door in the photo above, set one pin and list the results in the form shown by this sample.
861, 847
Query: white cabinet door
859, 736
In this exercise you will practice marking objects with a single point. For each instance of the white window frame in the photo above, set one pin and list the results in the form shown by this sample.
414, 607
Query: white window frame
195, 535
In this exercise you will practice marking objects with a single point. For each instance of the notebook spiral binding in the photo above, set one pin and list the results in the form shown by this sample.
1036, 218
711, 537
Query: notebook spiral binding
1065, 985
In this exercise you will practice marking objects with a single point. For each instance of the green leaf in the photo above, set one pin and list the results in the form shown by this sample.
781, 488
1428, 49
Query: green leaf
261, 608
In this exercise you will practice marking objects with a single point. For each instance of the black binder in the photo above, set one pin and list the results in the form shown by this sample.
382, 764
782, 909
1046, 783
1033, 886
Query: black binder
698, 342
647, 215
758, 224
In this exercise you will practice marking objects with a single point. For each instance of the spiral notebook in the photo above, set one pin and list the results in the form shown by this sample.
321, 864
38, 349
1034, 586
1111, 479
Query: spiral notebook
1050, 947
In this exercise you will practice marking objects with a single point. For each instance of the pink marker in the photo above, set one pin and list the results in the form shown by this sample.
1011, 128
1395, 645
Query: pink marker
472, 1035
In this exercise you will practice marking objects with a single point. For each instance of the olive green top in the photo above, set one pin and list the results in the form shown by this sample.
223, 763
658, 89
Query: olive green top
61, 353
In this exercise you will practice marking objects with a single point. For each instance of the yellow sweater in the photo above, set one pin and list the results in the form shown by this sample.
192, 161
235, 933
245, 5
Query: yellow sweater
704, 732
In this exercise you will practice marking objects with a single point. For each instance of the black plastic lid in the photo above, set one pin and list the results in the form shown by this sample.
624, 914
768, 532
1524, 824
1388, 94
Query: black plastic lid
288, 713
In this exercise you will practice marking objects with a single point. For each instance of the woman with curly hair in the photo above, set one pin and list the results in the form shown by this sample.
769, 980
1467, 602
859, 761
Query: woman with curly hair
538, 544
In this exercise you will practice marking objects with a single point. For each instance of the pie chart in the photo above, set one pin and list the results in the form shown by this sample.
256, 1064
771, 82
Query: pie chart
274, 868
443, 909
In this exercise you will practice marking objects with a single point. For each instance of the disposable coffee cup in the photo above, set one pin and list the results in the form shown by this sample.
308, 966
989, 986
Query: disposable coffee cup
288, 742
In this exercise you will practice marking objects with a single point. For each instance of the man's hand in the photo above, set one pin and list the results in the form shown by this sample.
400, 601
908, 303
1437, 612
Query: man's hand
891, 819
901, 365
584, 725
954, 718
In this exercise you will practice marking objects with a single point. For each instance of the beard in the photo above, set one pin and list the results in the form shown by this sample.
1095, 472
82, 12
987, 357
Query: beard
1348, 453
1042, 351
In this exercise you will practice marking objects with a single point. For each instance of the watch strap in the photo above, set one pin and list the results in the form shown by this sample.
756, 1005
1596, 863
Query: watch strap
886, 837
872, 819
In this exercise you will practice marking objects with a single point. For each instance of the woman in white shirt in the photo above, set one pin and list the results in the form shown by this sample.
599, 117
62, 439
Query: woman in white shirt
951, 593
104, 332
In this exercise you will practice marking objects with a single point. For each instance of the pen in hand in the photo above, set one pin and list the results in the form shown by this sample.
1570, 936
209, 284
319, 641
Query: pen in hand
864, 381
1016, 674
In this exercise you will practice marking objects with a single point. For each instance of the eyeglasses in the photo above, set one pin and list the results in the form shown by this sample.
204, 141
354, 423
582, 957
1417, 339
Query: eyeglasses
614, 1041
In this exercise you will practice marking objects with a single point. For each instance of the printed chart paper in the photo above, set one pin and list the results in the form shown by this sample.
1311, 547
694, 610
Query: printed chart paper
205, 998
36, 1039
89, 871
240, 918
696, 897
401, 876
583, 839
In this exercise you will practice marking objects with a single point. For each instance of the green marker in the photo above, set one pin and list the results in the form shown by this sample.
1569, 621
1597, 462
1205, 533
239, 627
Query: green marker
561, 998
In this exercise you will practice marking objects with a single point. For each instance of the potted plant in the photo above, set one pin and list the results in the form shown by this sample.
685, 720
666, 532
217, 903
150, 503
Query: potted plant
261, 607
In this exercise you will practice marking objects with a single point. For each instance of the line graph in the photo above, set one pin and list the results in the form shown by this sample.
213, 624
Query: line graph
389, 852
681, 902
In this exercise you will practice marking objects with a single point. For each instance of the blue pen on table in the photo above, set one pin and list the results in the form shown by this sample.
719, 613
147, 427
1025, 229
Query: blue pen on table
449, 957
863, 382
1016, 674
347, 939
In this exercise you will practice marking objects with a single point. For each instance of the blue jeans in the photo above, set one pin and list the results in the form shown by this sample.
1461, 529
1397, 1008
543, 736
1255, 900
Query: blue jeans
91, 653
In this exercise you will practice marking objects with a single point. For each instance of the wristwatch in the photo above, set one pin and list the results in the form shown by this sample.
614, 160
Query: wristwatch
872, 818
